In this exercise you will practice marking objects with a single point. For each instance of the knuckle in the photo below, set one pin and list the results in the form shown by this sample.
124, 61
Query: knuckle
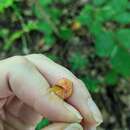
20, 60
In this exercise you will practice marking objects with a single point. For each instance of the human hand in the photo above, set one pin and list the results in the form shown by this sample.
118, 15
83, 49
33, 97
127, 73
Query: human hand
25, 99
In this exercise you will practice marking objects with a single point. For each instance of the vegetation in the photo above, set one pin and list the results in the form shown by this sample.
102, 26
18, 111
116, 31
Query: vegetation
92, 39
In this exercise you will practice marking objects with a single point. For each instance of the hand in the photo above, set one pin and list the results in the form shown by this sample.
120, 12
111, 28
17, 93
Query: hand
25, 99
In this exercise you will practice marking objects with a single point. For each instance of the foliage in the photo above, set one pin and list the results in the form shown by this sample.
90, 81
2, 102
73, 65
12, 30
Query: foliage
5, 4
92, 39
78, 61
42, 123
106, 22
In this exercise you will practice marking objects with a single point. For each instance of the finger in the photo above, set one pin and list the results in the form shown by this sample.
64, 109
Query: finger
63, 126
53, 72
32, 88
22, 111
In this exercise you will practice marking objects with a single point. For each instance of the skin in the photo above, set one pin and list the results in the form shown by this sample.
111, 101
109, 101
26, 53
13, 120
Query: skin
25, 97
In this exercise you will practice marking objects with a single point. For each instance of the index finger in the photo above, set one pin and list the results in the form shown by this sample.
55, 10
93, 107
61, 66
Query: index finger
80, 98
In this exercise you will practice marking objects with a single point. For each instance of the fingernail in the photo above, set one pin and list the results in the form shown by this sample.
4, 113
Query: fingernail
95, 112
74, 126
73, 111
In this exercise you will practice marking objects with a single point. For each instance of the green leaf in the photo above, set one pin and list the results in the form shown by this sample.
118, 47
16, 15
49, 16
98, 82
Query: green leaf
49, 40
118, 6
85, 17
31, 25
36, 11
45, 27
104, 44
43, 123
123, 36
128, 6
55, 14
98, 2
78, 61
107, 13
66, 33
122, 18
65, 1
3, 32
96, 28
91, 84
111, 9
111, 78
5, 4
121, 62
45, 2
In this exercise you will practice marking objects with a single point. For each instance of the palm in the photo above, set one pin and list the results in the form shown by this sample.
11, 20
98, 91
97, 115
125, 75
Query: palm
18, 115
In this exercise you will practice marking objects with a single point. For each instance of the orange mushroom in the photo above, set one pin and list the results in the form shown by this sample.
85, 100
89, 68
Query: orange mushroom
63, 88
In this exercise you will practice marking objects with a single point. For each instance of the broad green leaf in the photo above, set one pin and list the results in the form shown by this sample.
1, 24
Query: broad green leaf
118, 6
85, 17
43, 123
64, 1
49, 40
123, 37
128, 5
3, 32
123, 18
113, 8
104, 44
98, 2
36, 11
5, 4
107, 13
91, 84
121, 62
55, 14
78, 61
45, 27
66, 33
111, 78
45, 2
95, 28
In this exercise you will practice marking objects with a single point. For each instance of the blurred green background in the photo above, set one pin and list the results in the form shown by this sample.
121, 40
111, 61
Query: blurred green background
91, 38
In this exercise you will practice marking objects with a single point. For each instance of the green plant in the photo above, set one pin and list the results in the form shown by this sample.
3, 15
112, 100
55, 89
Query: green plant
107, 22
44, 122
5, 4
